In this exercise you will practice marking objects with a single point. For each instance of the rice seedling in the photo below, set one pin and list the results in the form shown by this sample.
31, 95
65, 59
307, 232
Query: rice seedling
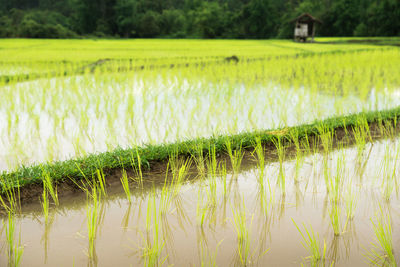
45, 204
236, 155
153, 246
211, 162
335, 183
11, 192
389, 171
171, 189
137, 166
351, 203
138, 109
243, 233
222, 172
294, 135
312, 243
281, 151
201, 209
92, 218
101, 181
208, 258
45, 239
258, 154
49, 187
360, 137
125, 185
335, 217
179, 175
14, 247
388, 128
198, 157
382, 251
326, 136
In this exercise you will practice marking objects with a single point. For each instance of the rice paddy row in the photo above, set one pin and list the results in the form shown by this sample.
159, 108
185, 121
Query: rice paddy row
57, 119
243, 203
223, 159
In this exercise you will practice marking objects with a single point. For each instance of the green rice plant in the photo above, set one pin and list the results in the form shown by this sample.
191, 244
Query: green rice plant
208, 259
294, 134
351, 203
137, 167
335, 183
327, 172
324, 81
92, 219
335, 217
382, 251
101, 181
125, 185
258, 154
389, 128
211, 162
236, 156
312, 243
266, 198
11, 192
222, 172
198, 157
46, 234
167, 194
212, 193
201, 209
243, 233
305, 144
360, 137
49, 186
45, 204
174, 161
179, 175
153, 246
281, 151
389, 169
14, 248
326, 137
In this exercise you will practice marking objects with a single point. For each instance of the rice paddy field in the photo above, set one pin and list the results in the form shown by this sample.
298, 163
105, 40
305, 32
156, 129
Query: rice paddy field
200, 152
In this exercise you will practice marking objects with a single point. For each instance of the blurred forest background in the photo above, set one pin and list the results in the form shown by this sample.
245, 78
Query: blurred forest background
246, 19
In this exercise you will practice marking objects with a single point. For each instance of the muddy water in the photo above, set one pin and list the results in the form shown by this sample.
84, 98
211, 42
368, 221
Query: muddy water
124, 229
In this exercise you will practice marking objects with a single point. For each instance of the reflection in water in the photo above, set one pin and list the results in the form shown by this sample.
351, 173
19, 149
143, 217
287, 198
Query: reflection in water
46, 233
222, 217
14, 248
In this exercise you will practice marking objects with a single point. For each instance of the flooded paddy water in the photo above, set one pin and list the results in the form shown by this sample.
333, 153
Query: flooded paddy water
69, 122
332, 204
222, 216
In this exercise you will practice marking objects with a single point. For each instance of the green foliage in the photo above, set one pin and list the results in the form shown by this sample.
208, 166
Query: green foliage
205, 19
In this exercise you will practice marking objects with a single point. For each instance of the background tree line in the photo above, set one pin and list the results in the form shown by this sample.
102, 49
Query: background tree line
194, 18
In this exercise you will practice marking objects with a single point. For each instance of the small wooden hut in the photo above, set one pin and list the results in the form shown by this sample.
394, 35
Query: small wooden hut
305, 25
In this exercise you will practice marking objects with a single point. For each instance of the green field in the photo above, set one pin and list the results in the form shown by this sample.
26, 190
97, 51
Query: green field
94, 96
310, 121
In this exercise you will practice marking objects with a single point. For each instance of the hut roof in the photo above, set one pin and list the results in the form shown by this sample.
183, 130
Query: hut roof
306, 17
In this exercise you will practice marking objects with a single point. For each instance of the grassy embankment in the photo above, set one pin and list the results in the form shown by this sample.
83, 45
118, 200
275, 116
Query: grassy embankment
338, 70
121, 158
